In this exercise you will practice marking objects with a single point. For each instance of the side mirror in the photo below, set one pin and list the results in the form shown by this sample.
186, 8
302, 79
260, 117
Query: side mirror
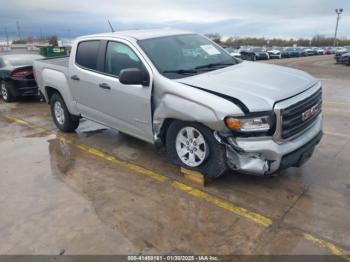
134, 76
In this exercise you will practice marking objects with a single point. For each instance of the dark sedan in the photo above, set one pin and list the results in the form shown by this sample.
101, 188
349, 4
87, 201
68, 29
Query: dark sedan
260, 53
253, 54
345, 58
16, 76
339, 53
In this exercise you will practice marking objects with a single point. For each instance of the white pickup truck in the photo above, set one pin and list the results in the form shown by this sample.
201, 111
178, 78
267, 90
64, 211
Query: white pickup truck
180, 90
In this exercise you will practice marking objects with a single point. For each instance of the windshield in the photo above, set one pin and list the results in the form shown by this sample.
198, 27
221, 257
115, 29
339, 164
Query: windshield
185, 55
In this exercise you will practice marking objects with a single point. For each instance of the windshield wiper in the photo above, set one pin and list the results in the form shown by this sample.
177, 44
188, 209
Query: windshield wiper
195, 70
182, 71
214, 65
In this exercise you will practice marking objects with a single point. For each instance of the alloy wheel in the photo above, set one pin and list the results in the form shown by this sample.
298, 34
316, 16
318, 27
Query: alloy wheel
4, 93
191, 146
59, 112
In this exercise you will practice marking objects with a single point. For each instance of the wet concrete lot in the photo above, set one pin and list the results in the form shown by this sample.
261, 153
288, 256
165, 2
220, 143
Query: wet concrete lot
101, 192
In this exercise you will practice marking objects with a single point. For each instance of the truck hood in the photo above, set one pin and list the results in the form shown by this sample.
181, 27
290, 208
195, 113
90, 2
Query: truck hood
257, 85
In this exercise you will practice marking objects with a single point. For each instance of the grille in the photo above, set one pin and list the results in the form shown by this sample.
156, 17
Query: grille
299, 116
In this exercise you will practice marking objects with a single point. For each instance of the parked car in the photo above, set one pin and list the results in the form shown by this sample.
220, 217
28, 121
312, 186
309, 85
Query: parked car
309, 51
260, 53
234, 52
341, 50
345, 58
274, 53
295, 52
16, 76
338, 54
247, 54
182, 91
284, 52
329, 50
320, 51
254, 53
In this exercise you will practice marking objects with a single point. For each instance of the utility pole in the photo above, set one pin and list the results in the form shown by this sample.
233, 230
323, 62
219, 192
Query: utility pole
18, 31
7, 36
338, 12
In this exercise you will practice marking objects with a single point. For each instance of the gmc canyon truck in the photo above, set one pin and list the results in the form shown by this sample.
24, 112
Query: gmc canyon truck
182, 91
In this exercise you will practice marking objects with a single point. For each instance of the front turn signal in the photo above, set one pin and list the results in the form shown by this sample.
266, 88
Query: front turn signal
233, 123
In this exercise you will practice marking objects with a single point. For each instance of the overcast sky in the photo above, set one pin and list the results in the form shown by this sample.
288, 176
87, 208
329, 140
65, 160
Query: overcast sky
261, 18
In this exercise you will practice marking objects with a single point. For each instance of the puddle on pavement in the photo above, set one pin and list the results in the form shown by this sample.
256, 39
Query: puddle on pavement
153, 216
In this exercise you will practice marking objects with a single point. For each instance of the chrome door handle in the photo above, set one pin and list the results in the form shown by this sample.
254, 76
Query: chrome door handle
104, 86
75, 77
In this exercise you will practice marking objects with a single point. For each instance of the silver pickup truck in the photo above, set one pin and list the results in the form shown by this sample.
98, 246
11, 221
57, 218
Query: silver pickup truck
180, 90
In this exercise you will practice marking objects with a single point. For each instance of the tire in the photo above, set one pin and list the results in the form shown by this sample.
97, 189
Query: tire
61, 116
212, 165
253, 58
5, 93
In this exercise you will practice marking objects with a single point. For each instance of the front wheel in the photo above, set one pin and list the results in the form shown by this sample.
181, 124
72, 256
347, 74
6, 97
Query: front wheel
193, 146
61, 116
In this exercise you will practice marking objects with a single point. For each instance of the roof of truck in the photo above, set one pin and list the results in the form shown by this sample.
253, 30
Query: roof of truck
142, 34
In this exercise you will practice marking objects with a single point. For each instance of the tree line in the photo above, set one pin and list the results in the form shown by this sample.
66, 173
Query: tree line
317, 40
52, 40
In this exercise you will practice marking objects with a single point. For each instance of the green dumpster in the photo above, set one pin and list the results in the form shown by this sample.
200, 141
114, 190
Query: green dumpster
53, 51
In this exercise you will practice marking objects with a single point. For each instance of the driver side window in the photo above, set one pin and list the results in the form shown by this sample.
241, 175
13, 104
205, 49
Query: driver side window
120, 56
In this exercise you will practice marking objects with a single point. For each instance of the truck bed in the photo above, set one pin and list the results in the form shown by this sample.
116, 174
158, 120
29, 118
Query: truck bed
60, 61
59, 64
51, 72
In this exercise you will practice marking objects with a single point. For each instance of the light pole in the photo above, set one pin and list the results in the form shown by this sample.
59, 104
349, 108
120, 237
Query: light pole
338, 12
18, 30
7, 36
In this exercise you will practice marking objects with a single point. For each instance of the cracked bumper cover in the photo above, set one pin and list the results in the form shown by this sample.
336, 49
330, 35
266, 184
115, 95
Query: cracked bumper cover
263, 155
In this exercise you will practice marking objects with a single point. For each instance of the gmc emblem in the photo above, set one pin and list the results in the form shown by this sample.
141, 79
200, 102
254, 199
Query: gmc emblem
309, 113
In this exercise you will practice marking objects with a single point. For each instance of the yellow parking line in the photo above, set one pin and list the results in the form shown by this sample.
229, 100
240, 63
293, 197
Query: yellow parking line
327, 245
336, 134
257, 218
336, 103
252, 216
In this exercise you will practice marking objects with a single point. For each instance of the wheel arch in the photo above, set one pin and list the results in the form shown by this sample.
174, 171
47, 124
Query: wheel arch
49, 91
67, 98
210, 111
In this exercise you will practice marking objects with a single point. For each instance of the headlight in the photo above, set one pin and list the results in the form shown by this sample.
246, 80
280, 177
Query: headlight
249, 124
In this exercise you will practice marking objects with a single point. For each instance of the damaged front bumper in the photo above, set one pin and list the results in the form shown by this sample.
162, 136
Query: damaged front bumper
264, 156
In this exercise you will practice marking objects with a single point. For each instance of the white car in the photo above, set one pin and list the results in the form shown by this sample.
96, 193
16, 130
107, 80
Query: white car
320, 51
274, 53
234, 52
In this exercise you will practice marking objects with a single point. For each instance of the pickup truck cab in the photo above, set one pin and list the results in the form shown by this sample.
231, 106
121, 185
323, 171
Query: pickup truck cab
182, 91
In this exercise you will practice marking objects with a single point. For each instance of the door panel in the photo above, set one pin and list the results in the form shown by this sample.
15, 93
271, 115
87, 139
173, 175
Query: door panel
101, 97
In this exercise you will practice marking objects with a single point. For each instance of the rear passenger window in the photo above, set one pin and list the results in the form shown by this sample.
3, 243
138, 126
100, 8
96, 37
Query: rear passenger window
87, 53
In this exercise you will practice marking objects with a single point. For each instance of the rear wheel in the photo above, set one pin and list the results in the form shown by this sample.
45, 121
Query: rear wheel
193, 146
5, 93
61, 116
253, 58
